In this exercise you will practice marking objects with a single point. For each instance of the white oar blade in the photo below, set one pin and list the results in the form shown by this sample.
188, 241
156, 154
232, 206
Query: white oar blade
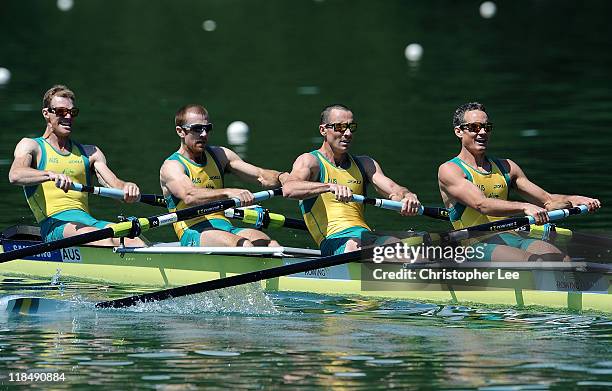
18, 305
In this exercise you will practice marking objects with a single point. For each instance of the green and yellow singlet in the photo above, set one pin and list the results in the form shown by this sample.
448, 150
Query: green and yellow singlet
208, 175
494, 184
324, 215
46, 199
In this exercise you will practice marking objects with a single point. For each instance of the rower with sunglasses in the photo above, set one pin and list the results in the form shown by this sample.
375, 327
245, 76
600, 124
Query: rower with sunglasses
47, 167
325, 180
475, 187
195, 175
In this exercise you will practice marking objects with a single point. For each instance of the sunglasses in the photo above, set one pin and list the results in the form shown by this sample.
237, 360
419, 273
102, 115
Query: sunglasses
198, 128
62, 111
475, 127
341, 127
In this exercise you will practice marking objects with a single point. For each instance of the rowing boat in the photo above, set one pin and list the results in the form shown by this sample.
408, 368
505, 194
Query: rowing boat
578, 285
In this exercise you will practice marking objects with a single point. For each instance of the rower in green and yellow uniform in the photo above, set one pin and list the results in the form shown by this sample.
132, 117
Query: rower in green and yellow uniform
325, 180
195, 175
475, 188
47, 167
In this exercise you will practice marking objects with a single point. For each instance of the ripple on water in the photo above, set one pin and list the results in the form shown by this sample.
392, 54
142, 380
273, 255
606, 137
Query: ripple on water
156, 377
217, 353
384, 361
157, 355
10, 358
105, 363
357, 358
349, 374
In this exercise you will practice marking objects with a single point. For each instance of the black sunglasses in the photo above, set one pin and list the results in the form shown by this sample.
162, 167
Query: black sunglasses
198, 128
474, 127
63, 111
341, 127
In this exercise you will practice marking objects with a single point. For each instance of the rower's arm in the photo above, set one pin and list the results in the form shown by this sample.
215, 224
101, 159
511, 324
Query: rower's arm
302, 183
106, 177
455, 187
388, 188
384, 185
22, 172
536, 195
250, 173
175, 182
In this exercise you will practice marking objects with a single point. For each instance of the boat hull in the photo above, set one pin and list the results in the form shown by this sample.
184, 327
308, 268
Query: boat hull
574, 288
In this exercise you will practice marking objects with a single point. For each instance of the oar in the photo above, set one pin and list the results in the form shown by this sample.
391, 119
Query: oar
435, 212
135, 227
150, 199
262, 218
509, 224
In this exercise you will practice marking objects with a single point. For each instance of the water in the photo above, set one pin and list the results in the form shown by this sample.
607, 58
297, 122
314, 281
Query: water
541, 68
308, 340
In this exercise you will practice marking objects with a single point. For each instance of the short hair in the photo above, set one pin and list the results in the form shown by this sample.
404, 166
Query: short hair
459, 115
57, 90
181, 114
327, 110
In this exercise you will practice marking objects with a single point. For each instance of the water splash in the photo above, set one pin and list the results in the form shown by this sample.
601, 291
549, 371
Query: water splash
248, 299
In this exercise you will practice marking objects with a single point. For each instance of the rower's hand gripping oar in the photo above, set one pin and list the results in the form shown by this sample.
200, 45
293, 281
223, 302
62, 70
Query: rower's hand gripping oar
135, 227
150, 199
436, 213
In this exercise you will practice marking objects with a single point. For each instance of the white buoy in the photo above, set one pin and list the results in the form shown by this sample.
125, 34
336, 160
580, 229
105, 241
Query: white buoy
237, 133
65, 5
209, 25
5, 76
488, 9
413, 52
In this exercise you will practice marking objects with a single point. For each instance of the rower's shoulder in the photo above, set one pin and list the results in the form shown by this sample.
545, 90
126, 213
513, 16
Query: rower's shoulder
27, 147
27, 142
307, 158
449, 169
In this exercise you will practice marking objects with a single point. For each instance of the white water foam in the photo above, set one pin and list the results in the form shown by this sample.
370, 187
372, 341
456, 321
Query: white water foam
248, 299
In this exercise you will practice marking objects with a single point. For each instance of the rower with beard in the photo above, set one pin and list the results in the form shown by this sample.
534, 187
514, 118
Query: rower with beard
47, 167
325, 180
195, 175
475, 188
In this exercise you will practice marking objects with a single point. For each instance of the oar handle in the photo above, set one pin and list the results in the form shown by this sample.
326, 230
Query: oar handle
511, 223
559, 214
435, 212
150, 199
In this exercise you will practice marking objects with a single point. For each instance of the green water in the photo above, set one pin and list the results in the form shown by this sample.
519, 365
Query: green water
541, 68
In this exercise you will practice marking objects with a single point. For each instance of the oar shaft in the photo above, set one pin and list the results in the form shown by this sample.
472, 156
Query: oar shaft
150, 199
435, 212
511, 223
